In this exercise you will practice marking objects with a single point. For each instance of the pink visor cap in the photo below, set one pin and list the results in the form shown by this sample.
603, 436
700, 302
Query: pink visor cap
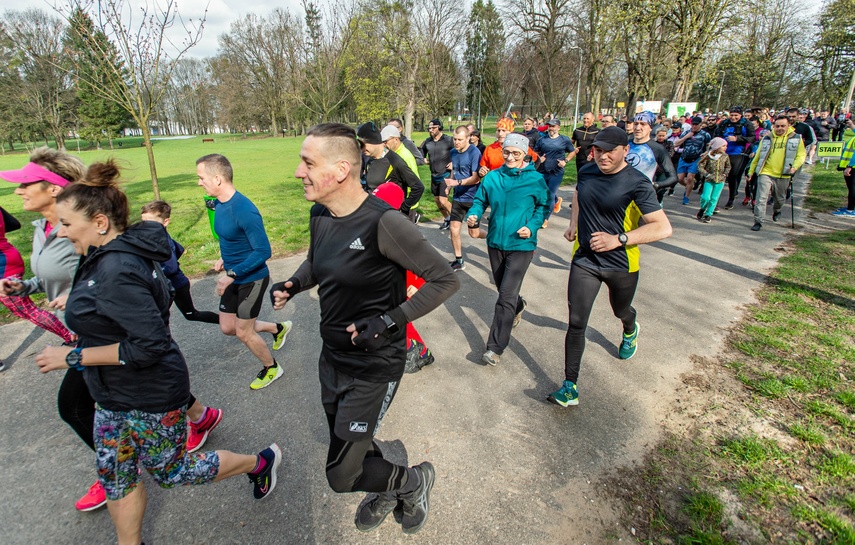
32, 173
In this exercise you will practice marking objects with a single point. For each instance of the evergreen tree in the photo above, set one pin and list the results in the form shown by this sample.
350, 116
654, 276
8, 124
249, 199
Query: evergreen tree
485, 42
97, 116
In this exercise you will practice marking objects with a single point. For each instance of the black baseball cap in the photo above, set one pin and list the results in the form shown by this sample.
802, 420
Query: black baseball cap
610, 138
437, 122
369, 133
697, 120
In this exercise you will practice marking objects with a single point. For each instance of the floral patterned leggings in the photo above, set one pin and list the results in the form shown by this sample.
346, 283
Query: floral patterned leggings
125, 440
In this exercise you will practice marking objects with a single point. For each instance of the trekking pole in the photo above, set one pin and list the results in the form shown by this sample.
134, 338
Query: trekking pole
792, 191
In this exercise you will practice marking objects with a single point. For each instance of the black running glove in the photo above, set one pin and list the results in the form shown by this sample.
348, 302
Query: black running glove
371, 333
280, 286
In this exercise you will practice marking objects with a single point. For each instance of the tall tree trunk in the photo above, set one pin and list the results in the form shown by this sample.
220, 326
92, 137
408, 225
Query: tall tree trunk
274, 123
146, 132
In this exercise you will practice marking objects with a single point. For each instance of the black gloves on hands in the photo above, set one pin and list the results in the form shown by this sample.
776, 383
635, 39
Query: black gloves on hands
371, 333
280, 286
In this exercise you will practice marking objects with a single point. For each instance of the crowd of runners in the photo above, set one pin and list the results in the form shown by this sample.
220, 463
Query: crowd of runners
111, 279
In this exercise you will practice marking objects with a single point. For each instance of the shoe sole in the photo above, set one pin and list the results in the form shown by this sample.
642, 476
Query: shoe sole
207, 432
94, 507
269, 382
556, 402
277, 459
279, 343
430, 476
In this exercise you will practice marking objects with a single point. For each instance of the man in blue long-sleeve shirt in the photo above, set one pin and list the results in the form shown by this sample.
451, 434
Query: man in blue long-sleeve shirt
244, 251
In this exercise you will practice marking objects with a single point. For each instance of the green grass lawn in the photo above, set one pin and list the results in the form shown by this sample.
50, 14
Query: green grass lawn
794, 353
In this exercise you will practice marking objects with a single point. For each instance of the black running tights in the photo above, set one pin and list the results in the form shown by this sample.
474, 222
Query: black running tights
360, 466
76, 406
184, 302
582, 288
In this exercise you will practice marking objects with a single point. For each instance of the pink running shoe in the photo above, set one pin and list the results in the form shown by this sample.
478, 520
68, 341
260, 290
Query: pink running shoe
197, 434
96, 497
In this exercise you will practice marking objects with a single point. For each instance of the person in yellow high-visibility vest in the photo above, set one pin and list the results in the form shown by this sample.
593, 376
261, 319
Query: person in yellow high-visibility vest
847, 161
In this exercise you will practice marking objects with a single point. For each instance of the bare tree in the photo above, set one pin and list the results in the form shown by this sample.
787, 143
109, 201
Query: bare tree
46, 88
697, 23
646, 55
321, 89
239, 98
545, 28
267, 50
141, 33
598, 40
189, 103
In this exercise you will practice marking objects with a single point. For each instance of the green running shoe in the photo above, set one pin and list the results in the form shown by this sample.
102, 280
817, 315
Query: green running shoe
279, 337
629, 344
266, 376
565, 396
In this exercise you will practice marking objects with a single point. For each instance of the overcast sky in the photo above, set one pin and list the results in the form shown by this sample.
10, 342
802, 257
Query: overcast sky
220, 14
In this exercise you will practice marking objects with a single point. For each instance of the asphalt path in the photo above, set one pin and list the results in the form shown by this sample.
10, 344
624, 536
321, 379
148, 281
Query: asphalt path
511, 468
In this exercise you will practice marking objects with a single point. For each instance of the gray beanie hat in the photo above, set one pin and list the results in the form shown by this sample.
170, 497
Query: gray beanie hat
516, 140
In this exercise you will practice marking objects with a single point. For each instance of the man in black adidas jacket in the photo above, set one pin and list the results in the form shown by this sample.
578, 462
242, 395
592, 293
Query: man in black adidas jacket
360, 250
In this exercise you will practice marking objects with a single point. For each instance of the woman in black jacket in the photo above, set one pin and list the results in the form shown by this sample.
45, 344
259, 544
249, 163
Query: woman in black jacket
119, 306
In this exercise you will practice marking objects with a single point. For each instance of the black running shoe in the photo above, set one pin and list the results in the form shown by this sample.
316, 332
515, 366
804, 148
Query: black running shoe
417, 504
412, 364
264, 481
374, 509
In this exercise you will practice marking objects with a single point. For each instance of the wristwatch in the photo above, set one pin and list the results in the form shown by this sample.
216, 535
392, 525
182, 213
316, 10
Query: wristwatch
231, 273
391, 326
74, 358
622, 239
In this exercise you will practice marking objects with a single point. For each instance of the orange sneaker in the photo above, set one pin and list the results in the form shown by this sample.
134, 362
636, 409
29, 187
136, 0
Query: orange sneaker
557, 207
93, 499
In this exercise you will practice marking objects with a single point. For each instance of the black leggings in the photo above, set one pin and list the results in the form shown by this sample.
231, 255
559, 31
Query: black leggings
737, 168
184, 302
360, 466
850, 186
509, 270
582, 288
76, 406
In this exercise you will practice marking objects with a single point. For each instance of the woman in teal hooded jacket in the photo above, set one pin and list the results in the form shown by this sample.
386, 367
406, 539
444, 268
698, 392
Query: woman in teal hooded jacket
519, 201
